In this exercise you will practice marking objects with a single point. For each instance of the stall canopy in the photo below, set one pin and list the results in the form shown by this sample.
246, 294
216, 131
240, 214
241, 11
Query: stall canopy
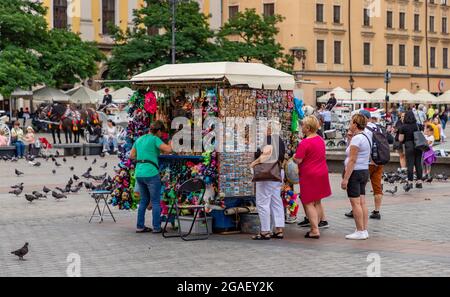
338, 92
256, 76
424, 97
379, 96
85, 95
48, 94
444, 98
360, 94
122, 95
403, 96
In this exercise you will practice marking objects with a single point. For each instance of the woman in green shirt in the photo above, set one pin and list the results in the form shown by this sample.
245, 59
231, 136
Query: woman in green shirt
146, 151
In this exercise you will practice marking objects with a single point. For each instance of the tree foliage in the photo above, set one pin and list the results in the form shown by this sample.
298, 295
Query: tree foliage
31, 54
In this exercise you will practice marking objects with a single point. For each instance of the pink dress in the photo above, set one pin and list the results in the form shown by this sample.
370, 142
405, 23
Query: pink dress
313, 171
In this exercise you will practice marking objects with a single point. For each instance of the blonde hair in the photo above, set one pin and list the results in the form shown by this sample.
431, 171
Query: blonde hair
30, 128
312, 123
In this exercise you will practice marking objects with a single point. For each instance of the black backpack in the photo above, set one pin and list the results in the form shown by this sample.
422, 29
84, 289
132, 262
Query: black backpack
380, 150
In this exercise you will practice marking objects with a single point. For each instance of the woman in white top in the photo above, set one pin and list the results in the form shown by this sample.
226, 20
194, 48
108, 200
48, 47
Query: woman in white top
110, 137
356, 174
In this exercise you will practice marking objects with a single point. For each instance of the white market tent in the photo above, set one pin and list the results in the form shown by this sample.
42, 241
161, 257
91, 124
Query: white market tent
122, 95
360, 94
49, 94
338, 92
84, 95
379, 96
424, 97
403, 96
253, 75
444, 98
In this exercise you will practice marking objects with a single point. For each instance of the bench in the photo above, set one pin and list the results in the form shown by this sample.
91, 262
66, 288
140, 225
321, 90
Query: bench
92, 149
7, 151
70, 149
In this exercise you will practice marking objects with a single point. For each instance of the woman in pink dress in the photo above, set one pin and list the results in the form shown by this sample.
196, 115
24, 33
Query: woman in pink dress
313, 173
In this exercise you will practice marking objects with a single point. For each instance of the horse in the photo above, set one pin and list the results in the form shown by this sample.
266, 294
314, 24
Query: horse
69, 118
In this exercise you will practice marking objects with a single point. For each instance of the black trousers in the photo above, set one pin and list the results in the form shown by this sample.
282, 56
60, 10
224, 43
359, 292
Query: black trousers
413, 160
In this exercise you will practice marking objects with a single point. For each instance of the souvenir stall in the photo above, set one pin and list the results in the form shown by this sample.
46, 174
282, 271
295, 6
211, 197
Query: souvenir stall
222, 91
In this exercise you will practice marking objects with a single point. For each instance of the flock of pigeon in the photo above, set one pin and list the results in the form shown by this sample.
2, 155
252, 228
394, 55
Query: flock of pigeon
73, 186
401, 177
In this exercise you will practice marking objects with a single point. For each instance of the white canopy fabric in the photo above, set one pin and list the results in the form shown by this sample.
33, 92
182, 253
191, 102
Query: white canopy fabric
85, 96
379, 96
444, 98
360, 94
254, 75
423, 96
338, 92
48, 94
122, 95
403, 96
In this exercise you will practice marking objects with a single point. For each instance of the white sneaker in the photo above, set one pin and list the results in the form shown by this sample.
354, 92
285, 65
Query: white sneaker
367, 233
358, 235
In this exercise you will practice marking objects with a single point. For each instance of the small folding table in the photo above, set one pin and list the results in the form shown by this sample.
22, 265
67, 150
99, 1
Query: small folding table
100, 196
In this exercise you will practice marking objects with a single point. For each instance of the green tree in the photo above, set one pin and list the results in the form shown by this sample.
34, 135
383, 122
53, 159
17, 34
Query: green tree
250, 37
31, 54
136, 50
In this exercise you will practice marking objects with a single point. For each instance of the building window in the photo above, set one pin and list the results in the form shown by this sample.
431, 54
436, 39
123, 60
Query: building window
389, 19
431, 29
445, 58
366, 17
319, 13
366, 53
336, 14
402, 21
109, 15
416, 56
390, 55
444, 25
433, 57
337, 52
152, 31
416, 22
402, 55
60, 14
233, 11
320, 51
269, 9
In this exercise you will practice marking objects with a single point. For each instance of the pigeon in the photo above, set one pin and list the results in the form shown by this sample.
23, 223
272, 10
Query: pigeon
85, 158
72, 168
21, 252
86, 175
70, 182
54, 171
18, 186
38, 195
89, 186
102, 155
37, 164
95, 161
53, 159
64, 160
75, 177
58, 196
75, 190
16, 192
57, 153
393, 191
46, 190
14, 159
57, 164
18, 173
74, 156
30, 197
104, 166
61, 190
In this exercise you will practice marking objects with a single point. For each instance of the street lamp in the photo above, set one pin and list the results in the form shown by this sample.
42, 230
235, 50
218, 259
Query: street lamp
174, 10
352, 83
387, 80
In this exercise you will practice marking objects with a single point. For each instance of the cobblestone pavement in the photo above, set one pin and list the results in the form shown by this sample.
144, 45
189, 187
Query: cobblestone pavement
412, 239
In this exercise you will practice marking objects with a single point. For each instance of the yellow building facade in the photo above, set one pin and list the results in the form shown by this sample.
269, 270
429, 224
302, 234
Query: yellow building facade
385, 34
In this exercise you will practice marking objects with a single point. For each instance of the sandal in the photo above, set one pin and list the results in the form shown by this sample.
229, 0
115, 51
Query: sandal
145, 230
261, 236
307, 235
278, 235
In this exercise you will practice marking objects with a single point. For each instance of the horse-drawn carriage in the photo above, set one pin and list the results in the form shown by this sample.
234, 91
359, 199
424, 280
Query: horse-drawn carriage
120, 117
4, 127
